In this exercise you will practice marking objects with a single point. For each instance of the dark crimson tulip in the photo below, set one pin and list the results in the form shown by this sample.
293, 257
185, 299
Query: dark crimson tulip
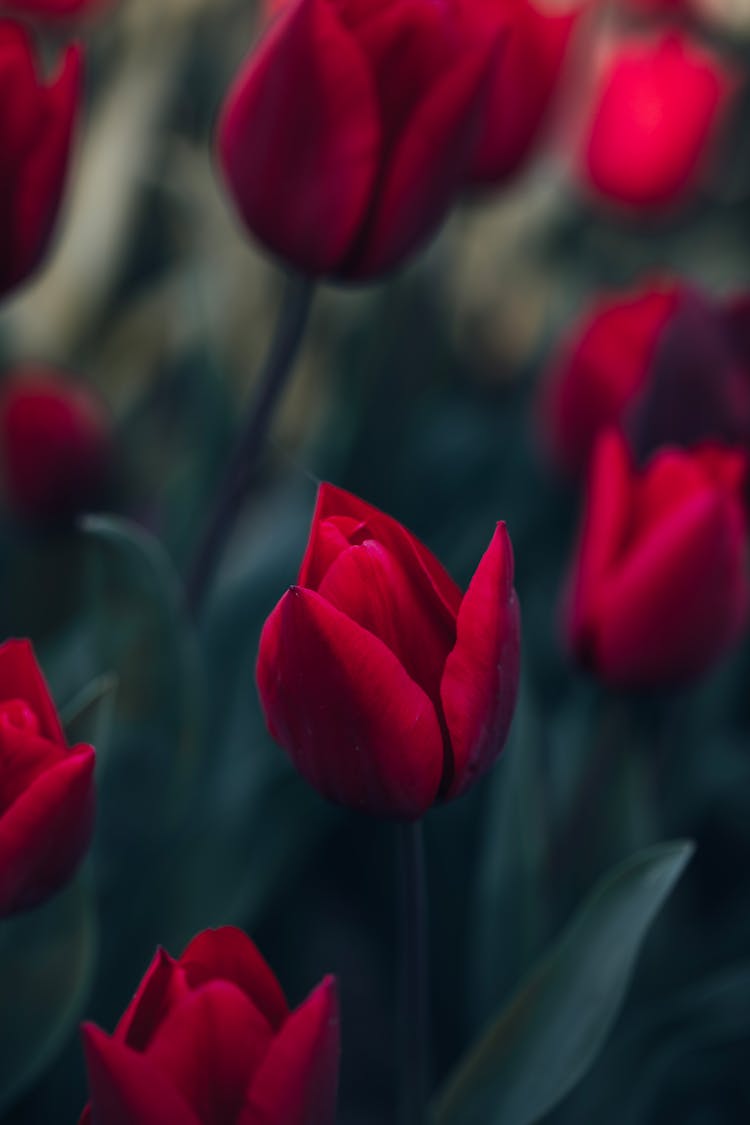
55, 446
37, 119
209, 1040
659, 586
655, 113
353, 126
665, 363
46, 787
388, 687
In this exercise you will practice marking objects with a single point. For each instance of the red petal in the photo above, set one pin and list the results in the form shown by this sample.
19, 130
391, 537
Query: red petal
480, 683
21, 678
45, 832
521, 90
678, 600
424, 173
42, 178
297, 1082
368, 584
127, 1089
162, 986
210, 1046
419, 562
601, 368
355, 724
660, 101
23, 758
605, 526
229, 954
302, 180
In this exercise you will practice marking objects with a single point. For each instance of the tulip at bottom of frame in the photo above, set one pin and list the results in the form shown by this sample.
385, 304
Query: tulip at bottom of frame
209, 1039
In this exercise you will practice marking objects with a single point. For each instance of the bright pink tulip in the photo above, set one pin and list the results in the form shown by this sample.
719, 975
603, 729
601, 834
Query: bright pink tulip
654, 118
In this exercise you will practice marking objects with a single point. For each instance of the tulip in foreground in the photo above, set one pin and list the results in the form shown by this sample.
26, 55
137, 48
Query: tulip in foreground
56, 446
659, 586
352, 128
388, 687
46, 787
208, 1039
37, 120
656, 111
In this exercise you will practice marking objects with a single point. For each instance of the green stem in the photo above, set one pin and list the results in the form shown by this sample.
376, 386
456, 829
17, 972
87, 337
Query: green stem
415, 991
244, 461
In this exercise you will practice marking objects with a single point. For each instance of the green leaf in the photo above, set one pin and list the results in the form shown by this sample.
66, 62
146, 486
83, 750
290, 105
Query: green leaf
88, 717
146, 637
551, 1031
46, 962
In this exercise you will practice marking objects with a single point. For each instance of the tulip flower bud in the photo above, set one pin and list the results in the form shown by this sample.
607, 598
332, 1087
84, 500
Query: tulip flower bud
656, 111
46, 787
36, 129
210, 1038
352, 128
55, 446
388, 687
659, 585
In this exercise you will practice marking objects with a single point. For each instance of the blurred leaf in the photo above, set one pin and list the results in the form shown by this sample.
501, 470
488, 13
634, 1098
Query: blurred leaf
510, 865
145, 634
550, 1033
88, 717
46, 963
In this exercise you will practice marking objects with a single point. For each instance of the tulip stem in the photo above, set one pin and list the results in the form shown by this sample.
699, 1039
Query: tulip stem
242, 466
414, 979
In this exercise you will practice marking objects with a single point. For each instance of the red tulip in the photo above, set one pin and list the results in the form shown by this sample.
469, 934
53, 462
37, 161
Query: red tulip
523, 84
36, 129
55, 446
209, 1040
657, 109
46, 787
388, 688
665, 364
659, 587
351, 129
600, 369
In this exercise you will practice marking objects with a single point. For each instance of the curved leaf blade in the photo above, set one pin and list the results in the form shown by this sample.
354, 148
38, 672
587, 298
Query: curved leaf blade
549, 1034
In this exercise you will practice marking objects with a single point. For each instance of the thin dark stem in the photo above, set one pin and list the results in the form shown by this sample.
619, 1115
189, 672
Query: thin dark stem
415, 1063
244, 462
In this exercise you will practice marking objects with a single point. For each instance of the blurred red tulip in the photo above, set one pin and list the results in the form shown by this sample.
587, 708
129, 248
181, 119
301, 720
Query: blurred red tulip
659, 586
209, 1040
56, 446
36, 129
665, 364
350, 131
600, 368
46, 787
523, 84
388, 688
656, 111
